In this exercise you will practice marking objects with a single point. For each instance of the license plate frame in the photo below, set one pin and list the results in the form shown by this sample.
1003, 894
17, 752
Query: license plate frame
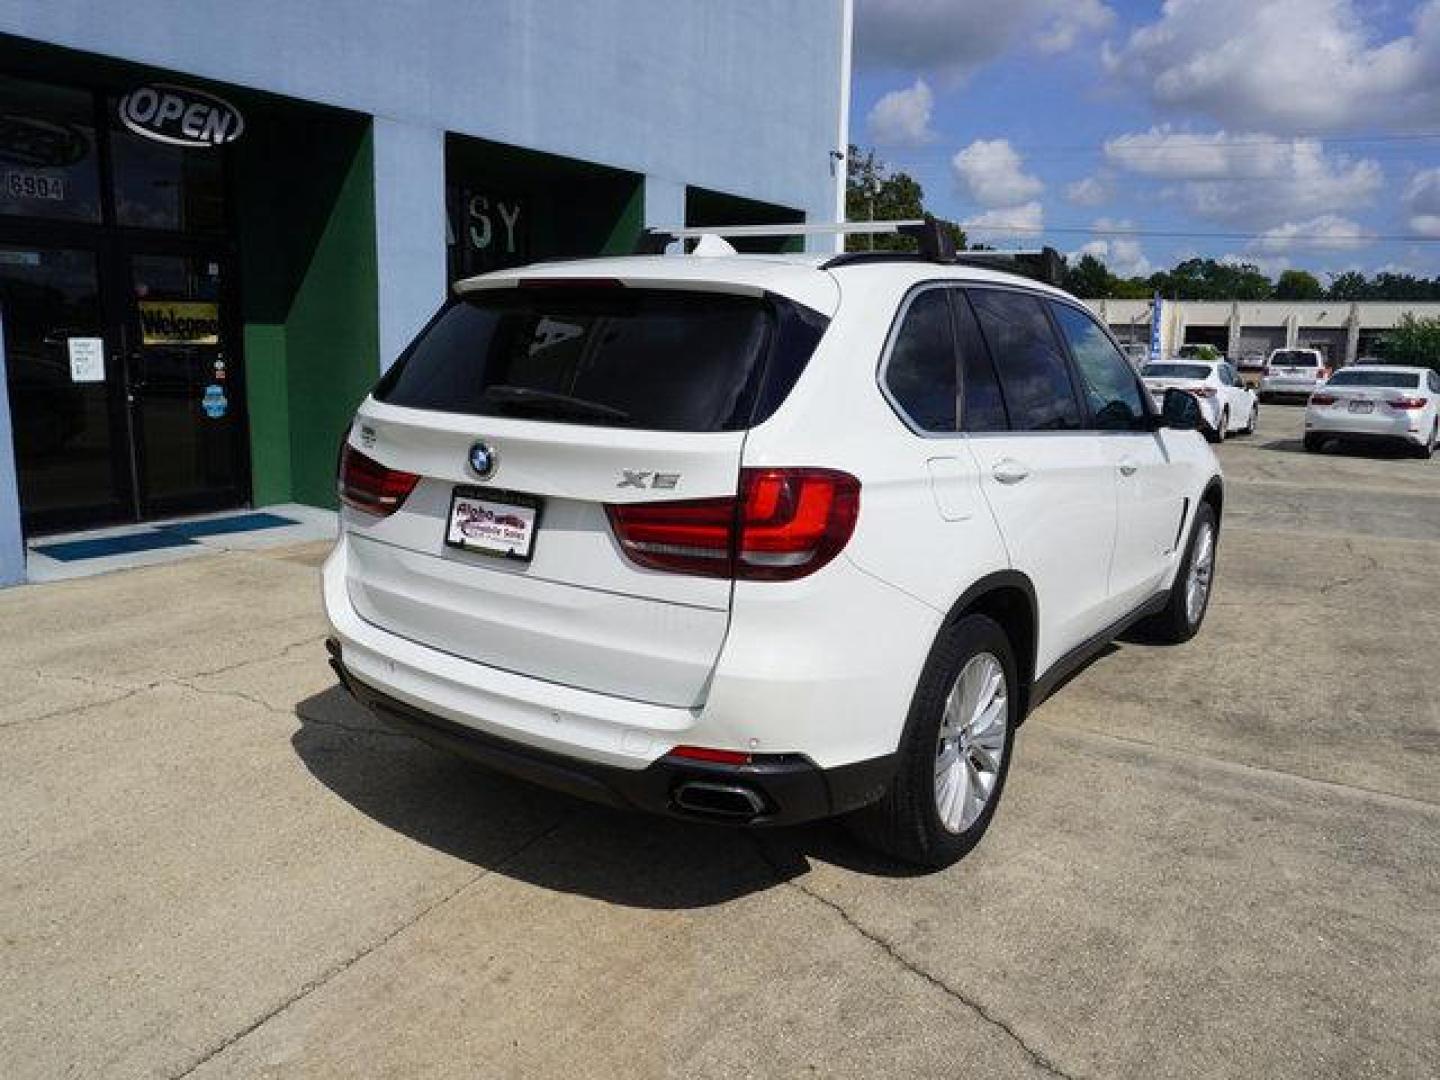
1362, 408
493, 537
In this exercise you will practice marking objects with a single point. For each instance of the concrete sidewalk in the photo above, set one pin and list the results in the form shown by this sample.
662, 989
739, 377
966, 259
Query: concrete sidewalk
1219, 860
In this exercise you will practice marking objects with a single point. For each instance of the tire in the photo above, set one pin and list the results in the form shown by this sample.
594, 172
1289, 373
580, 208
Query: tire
909, 823
1218, 435
1314, 443
1428, 449
1179, 621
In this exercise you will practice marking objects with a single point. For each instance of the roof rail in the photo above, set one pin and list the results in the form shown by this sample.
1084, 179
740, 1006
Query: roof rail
935, 240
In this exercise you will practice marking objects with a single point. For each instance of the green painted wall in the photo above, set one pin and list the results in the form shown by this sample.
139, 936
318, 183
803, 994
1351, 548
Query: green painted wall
333, 333
309, 291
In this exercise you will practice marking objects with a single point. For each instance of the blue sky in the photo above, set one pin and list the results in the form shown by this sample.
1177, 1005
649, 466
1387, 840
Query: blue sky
1288, 133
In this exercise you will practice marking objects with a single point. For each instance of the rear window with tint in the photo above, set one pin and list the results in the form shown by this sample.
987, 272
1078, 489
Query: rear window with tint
1294, 358
1399, 380
1176, 371
655, 359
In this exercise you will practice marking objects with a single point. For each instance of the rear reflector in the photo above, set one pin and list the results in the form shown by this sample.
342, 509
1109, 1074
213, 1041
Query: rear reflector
1406, 403
367, 485
1322, 399
705, 753
785, 524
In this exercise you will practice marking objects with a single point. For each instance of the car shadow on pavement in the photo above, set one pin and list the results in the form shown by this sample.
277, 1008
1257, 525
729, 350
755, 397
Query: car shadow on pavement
546, 838
1372, 451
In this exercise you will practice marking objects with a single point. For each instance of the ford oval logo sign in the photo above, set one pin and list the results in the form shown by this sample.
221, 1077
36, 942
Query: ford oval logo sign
180, 116
483, 460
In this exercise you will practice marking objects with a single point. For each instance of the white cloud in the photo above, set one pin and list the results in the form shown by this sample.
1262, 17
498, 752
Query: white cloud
1328, 232
1090, 191
1069, 22
1287, 65
1024, 221
1422, 202
952, 38
1123, 255
1254, 180
992, 173
902, 117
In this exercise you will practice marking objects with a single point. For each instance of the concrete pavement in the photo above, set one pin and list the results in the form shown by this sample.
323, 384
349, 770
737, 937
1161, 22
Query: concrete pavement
1215, 860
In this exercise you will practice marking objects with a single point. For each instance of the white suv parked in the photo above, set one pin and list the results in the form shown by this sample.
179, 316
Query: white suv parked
760, 539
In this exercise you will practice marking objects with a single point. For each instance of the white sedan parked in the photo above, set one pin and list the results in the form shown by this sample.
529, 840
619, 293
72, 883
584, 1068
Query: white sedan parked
1376, 403
1227, 405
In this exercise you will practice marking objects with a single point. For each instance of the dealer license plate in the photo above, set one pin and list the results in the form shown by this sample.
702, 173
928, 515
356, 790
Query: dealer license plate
494, 523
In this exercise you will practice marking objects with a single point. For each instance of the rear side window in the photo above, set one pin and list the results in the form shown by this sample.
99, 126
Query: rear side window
654, 359
920, 371
1033, 370
982, 403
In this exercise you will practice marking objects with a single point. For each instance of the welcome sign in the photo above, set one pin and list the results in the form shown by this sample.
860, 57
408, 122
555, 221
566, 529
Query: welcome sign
180, 322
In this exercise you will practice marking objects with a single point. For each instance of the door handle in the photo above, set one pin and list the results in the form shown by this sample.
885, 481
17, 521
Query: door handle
1009, 471
1128, 467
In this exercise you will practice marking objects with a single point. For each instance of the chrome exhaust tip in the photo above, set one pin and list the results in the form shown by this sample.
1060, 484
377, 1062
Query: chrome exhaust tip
729, 802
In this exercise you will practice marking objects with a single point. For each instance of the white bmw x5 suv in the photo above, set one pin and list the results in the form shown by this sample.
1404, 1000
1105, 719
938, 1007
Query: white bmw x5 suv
760, 539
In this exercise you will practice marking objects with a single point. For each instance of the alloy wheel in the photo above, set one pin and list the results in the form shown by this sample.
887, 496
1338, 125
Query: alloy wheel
971, 743
1202, 569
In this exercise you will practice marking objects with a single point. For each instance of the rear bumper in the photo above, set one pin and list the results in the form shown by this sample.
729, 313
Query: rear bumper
772, 789
1376, 427
1288, 387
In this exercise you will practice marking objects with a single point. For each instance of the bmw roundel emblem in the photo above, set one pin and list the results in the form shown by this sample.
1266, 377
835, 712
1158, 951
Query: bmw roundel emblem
483, 460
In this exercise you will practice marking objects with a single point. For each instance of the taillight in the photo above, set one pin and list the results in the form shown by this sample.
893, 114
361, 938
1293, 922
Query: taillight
1406, 403
1322, 399
367, 485
784, 524
1323, 374
1203, 391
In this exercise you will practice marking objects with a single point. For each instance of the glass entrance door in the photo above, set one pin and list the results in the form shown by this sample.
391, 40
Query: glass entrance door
183, 385
66, 389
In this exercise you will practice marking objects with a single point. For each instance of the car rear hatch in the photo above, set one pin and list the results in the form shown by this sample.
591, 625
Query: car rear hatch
526, 413
1295, 367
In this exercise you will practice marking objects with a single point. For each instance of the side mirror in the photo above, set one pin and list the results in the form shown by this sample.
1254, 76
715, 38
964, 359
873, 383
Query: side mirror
1181, 411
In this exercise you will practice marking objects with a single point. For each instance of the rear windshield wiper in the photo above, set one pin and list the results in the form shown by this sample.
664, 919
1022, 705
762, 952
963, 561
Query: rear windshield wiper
544, 401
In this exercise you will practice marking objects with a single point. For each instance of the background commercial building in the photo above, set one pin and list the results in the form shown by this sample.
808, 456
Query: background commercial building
1341, 329
218, 222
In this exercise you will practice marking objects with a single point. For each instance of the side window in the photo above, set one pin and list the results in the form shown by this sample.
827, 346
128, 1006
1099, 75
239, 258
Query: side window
920, 373
982, 406
1107, 379
1033, 372
1434, 383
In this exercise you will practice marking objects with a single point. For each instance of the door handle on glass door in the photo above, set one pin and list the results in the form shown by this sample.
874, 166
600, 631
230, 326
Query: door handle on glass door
1009, 471
1128, 467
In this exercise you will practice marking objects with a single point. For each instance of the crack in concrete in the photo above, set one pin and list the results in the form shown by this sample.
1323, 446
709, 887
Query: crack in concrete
338, 969
1037, 1057
124, 693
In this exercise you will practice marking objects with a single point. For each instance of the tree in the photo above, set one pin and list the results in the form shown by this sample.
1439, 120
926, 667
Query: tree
1089, 278
874, 193
1413, 341
1299, 285
1351, 285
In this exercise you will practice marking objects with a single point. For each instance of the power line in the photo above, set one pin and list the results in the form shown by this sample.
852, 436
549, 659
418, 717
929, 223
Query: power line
1186, 234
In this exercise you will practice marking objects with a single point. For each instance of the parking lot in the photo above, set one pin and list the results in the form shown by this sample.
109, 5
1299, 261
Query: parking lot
1221, 859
